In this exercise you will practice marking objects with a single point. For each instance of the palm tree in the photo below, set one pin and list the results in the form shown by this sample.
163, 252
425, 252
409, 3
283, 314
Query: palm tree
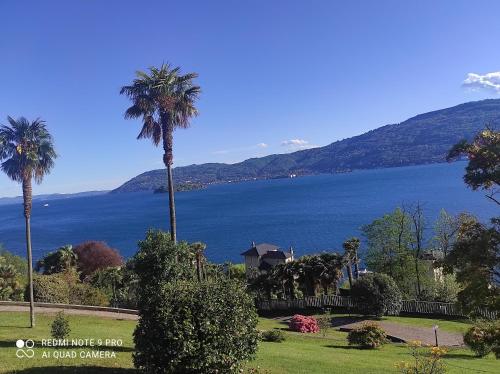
165, 100
351, 247
28, 153
333, 264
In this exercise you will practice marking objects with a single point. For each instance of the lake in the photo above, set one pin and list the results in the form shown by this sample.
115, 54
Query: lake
312, 214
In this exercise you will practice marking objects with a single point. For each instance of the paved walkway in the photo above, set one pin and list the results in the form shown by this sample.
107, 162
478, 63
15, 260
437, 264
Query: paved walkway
97, 313
407, 333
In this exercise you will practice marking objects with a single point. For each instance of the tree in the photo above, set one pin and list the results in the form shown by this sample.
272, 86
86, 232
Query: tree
351, 247
377, 294
27, 151
93, 255
58, 261
446, 230
418, 227
483, 169
332, 271
389, 251
475, 259
165, 100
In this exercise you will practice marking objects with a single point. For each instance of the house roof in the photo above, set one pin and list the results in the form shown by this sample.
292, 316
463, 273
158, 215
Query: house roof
260, 250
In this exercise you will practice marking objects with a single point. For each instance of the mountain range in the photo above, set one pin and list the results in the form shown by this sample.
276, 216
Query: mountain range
423, 139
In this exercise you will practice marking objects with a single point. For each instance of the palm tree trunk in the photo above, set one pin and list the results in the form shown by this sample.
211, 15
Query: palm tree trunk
349, 273
171, 203
168, 140
27, 198
356, 266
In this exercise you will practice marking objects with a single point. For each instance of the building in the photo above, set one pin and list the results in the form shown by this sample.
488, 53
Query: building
263, 257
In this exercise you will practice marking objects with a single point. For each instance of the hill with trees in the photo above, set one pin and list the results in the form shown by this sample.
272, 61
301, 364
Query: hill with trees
423, 139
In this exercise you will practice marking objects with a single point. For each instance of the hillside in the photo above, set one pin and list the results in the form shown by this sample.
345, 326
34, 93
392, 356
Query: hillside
422, 139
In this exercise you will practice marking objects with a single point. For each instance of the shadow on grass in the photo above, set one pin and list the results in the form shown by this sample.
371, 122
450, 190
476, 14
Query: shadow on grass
73, 370
38, 344
344, 347
451, 356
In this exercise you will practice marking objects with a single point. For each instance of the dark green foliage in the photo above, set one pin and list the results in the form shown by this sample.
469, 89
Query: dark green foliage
10, 288
423, 139
158, 261
119, 284
196, 327
50, 289
369, 335
475, 260
483, 338
85, 294
188, 326
60, 327
20, 264
181, 187
276, 336
377, 294
58, 261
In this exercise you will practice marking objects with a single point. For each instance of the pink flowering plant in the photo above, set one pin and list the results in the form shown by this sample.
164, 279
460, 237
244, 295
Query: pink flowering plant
303, 324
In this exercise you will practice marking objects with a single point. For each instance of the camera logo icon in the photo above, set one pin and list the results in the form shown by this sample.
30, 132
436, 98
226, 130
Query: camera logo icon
25, 348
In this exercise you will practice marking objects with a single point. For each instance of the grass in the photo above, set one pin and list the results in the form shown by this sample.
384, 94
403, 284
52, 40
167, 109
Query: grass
313, 353
14, 326
300, 353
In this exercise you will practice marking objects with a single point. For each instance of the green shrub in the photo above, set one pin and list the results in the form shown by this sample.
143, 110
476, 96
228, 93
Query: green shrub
276, 336
85, 294
368, 335
10, 288
377, 294
60, 326
207, 327
50, 289
483, 338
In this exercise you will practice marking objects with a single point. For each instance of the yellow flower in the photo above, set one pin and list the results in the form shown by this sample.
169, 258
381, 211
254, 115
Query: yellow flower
19, 149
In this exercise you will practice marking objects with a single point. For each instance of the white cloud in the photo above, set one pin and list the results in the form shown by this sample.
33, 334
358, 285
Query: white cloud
489, 81
297, 144
262, 145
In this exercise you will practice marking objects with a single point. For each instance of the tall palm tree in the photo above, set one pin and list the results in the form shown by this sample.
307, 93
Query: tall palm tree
27, 152
165, 100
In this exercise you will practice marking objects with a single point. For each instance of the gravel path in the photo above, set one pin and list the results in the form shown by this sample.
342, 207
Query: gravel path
407, 333
97, 313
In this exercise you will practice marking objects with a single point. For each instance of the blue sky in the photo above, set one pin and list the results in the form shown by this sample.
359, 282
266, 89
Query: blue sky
276, 75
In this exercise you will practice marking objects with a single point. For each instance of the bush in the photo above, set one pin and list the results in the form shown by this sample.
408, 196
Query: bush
50, 289
186, 326
66, 288
483, 338
207, 327
92, 256
368, 335
60, 326
10, 288
85, 294
377, 294
276, 336
303, 324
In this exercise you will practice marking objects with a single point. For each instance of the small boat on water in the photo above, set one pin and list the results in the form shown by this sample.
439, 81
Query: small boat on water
45, 204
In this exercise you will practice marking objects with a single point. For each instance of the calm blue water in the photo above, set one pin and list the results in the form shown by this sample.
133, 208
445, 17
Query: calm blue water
311, 213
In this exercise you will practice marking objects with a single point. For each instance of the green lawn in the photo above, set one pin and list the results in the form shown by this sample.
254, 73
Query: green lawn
300, 353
